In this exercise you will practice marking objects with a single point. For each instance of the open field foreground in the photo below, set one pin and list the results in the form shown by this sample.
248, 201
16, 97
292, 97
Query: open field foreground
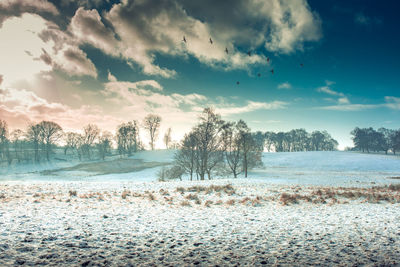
219, 222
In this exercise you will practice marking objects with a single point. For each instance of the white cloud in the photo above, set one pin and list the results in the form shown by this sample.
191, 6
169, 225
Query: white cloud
110, 77
285, 85
392, 102
350, 107
343, 100
48, 48
329, 91
251, 106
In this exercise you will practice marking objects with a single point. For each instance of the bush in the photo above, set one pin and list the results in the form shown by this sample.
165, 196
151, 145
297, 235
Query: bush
172, 173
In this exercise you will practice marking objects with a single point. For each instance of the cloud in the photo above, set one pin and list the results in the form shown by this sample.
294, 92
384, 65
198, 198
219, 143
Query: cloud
251, 106
350, 107
110, 77
139, 31
392, 102
15, 8
285, 85
344, 104
362, 19
48, 48
20, 107
327, 90
343, 100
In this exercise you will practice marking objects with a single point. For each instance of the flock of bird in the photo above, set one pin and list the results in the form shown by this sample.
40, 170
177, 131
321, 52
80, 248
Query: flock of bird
248, 53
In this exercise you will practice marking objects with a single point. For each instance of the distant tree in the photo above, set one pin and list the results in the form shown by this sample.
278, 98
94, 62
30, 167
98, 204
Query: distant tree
16, 139
186, 156
90, 134
167, 138
127, 137
231, 146
395, 139
317, 139
4, 142
34, 136
246, 143
50, 132
152, 124
72, 141
104, 144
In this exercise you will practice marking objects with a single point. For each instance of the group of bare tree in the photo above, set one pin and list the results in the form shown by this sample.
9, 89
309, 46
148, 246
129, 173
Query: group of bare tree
40, 140
214, 146
368, 139
299, 140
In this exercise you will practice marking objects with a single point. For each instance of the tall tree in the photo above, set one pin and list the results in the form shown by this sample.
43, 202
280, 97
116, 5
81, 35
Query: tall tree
4, 142
152, 124
207, 136
90, 134
50, 132
127, 137
33, 135
186, 156
231, 146
167, 138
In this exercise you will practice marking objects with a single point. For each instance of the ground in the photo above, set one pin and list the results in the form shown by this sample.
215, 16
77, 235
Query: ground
269, 218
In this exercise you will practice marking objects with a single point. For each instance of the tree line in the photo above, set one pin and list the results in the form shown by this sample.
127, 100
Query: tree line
299, 140
381, 140
39, 140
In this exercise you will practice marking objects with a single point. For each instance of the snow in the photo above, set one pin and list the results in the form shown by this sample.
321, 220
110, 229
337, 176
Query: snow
156, 224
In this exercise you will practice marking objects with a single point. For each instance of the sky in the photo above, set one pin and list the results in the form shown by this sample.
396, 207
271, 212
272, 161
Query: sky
336, 63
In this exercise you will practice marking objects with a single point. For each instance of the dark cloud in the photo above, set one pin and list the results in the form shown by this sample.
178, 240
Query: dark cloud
15, 8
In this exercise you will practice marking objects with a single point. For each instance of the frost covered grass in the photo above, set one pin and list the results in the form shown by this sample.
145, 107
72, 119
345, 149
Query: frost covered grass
207, 223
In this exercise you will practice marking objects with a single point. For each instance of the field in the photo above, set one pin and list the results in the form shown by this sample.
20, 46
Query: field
314, 208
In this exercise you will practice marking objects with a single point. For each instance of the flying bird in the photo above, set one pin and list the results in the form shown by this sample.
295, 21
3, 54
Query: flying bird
226, 50
272, 71
268, 59
211, 41
259, 74
184, 39
249, 53
237, 82
301, 65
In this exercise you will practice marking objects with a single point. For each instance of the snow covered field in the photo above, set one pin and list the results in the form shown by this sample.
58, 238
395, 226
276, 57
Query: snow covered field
299, 209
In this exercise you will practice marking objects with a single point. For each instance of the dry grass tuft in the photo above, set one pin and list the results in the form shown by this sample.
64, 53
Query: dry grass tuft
230, 202
192, 197
208, 203
151, 196
125, 194
185, 203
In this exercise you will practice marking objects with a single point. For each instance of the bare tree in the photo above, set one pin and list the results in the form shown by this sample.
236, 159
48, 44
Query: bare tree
246, 143
72, 141
50, 132
4, 142
167, 138
231, 147
104, 144
16, 139
152, 124
33, 135
127, 137
90, 134
185, 157
208, 145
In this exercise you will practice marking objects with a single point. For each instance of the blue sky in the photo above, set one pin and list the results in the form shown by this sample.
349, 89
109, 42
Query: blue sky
107, 62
